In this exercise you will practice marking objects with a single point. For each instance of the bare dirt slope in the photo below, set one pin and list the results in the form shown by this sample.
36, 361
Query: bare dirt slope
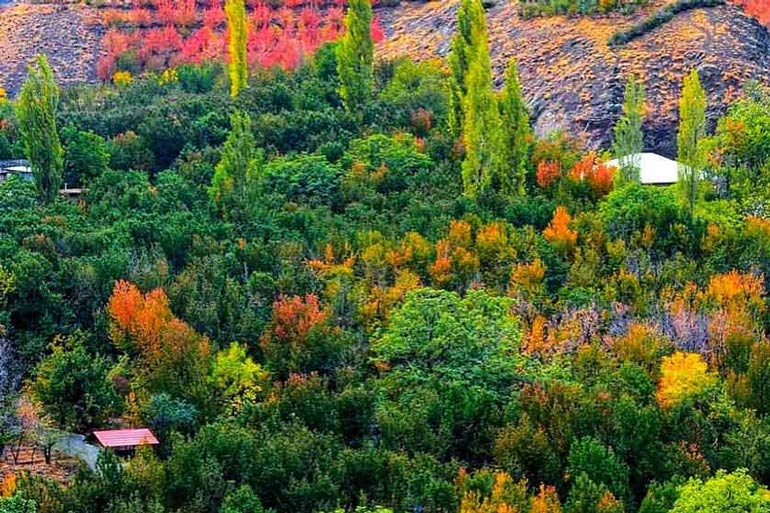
573, 80
68, 34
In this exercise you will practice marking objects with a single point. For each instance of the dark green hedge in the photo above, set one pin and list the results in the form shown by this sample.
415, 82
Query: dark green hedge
658, 18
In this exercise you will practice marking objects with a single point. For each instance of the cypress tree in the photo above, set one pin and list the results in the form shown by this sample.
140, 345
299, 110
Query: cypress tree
36, 108
235, 174
355, 57
235, 10
515, 132
629, 139
692, 129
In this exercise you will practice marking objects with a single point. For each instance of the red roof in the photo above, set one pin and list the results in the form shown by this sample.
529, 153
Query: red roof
125, 437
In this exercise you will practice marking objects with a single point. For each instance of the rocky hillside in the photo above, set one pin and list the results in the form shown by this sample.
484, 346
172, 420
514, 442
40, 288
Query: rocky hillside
68, 34
572, 79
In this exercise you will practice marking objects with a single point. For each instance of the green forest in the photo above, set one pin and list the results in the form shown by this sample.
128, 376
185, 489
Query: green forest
370, 287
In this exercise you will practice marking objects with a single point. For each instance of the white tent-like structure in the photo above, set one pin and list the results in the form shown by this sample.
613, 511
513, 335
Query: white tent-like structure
654, 169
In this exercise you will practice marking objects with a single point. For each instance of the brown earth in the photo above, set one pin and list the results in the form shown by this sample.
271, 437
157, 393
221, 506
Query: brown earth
572, 79
61, 469
68, 34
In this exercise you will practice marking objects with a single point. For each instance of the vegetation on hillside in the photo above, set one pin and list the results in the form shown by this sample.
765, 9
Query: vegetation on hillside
370, 287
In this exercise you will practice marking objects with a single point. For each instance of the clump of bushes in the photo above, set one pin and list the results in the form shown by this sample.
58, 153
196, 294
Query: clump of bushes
529, 9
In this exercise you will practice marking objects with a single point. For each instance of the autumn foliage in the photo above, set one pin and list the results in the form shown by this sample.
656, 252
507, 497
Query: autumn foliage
558, 230
144, 325
760, 9
295, 316
682, 376
156, 34
595, 173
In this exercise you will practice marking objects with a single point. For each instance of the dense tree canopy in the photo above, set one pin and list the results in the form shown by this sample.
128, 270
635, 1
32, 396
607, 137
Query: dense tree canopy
323, 297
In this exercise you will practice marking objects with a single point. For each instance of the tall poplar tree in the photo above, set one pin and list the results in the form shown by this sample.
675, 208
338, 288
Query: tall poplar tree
692, 129
629, 139
355, 57
36, 108
515, 132
480, 117
459, 63
238, 71
235, 174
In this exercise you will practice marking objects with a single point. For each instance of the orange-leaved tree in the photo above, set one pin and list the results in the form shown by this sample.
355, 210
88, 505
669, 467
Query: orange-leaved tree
300, 337
559, 233
170, 355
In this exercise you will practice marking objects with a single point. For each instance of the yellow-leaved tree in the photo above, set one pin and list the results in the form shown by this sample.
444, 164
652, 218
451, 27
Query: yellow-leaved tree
683, 376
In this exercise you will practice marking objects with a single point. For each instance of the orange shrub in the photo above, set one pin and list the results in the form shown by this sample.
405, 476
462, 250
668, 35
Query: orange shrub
558, 231
546, 501
294, 317
144, 324
548, 171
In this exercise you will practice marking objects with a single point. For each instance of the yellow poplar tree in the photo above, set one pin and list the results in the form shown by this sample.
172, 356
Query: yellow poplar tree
235, 10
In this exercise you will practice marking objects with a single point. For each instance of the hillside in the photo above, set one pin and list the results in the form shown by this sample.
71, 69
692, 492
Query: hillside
572, 79
68, 34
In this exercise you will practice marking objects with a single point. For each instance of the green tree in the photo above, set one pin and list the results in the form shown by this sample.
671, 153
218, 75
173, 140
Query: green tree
86, 156
242, 500
16, 504
235, 174
735, 492
451, 363
743, 141
481, 119
36, 110
515, 133
73, 385
600, 464
629, 139
459, 62
586, 496
166, 415
235, 10
692, 130
355, 57
236, 377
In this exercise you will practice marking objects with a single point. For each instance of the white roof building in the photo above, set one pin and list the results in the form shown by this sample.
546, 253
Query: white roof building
15, 167
654, 169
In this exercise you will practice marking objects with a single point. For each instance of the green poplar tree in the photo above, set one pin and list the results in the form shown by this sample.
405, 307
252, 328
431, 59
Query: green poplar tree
36, 108
459, 63
516, 133
629, 139
481, 132
355, 57
236, 172
692, 129
235, 10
